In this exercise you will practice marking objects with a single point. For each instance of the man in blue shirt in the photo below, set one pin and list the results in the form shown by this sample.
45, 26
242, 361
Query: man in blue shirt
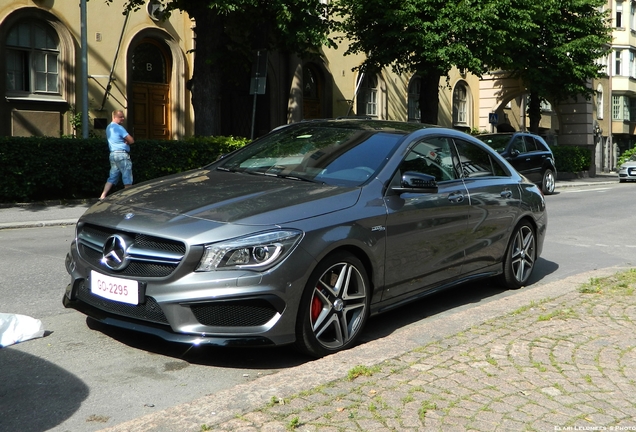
119, 141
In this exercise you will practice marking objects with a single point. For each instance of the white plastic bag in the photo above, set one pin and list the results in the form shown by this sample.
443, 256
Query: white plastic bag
16, 328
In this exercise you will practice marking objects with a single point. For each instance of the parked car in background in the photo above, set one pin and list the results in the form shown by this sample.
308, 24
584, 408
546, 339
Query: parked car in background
627, 170
529, 154
303, 234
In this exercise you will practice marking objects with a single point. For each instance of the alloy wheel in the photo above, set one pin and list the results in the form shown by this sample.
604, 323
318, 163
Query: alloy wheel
523, 254
338, 305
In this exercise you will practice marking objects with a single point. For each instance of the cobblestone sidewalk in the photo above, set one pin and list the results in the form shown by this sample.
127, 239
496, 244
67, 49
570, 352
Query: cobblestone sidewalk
562, 364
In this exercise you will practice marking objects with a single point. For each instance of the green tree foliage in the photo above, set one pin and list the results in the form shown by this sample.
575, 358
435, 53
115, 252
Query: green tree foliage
227, 33
427, 37
556, 50
552, 45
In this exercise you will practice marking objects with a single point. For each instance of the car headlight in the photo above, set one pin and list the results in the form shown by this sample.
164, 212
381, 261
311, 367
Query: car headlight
259, 251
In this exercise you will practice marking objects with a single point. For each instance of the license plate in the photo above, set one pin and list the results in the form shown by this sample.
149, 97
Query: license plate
113, 288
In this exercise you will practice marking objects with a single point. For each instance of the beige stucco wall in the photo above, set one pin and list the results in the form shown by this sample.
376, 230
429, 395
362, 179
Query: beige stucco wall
105, 26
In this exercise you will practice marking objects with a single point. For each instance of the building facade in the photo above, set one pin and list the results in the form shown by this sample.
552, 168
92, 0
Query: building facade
136, 62
141, 63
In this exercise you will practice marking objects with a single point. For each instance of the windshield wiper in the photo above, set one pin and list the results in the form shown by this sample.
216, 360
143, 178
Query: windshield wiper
270, 174
221, 168
299, 178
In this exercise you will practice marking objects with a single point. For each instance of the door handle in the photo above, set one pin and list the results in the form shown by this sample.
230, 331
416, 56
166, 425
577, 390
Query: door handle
506, 194
456, 197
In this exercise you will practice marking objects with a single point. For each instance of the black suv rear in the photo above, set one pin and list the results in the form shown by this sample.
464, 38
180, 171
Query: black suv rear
529, 154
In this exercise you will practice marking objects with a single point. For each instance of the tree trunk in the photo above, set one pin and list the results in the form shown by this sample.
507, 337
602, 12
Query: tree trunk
534, 112
206, 82
429, 97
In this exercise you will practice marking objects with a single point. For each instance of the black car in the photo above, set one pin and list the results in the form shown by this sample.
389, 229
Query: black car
303, 234
527, 153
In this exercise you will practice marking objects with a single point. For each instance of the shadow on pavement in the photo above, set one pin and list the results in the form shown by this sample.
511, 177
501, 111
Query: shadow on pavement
283, 357
36, 395
227, 357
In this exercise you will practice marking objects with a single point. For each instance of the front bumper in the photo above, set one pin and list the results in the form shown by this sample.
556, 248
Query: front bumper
162, 331
627, 173
231, 308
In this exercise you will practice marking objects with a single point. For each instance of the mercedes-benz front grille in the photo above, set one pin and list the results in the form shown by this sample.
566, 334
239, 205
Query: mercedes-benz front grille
149, 256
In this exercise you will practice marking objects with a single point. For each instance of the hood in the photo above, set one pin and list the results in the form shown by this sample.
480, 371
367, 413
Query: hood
628, 163
226, 197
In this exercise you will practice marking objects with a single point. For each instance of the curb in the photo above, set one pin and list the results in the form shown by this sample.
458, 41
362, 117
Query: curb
49, 203
37, 224
567, 184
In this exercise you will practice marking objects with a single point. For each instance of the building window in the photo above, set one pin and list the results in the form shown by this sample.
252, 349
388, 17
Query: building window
623, 108
149, 64
460, 105
545, 106
368, 96
32, 60
619, 14
616, 108
415, 87
599, 102
617, 64
632, 64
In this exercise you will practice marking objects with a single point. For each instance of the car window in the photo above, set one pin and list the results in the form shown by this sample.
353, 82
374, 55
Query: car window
332, 155
541, 146
518, 144
530, 143
476, 161
498, 142
430, 156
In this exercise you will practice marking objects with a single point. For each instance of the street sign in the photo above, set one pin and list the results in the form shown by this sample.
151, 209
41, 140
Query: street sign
493, 118
259, 73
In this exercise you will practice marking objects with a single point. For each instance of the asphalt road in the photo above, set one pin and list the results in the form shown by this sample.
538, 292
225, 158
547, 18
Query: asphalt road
84, 378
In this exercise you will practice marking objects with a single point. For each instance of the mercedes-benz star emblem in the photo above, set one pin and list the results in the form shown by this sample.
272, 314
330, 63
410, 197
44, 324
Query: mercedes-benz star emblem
115, 253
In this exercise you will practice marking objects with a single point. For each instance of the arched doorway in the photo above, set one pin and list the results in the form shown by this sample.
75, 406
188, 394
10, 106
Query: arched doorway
151, 69
312, 92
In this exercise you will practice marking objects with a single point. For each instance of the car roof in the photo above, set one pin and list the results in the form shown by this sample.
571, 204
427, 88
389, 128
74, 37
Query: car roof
508, 134
363, 123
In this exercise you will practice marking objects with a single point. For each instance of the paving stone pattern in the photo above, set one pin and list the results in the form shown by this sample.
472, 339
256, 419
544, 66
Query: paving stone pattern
563, 364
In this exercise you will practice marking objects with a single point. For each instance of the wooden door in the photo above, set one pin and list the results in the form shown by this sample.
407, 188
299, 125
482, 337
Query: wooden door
150, 65
151, 108
312, 92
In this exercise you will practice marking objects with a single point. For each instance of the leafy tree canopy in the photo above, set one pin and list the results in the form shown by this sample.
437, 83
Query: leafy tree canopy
552, 45
562, 50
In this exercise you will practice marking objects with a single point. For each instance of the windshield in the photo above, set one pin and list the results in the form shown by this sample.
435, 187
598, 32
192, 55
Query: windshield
497, 142
323, 154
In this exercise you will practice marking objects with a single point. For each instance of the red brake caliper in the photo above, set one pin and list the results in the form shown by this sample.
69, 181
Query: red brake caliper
316, 307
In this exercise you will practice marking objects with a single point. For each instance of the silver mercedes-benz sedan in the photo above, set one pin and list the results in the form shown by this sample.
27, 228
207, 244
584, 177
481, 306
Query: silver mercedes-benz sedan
303, 234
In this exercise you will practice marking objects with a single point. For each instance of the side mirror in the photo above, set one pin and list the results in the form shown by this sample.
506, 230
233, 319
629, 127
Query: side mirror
417, 183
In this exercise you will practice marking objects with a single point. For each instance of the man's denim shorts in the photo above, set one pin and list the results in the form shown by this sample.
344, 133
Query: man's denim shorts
120, 164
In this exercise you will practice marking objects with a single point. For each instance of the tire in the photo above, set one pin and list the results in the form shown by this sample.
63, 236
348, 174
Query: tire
334, 306
520, 257
548, 182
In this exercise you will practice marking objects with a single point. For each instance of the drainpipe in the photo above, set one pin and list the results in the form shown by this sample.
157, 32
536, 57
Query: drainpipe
610, 143
112, 68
